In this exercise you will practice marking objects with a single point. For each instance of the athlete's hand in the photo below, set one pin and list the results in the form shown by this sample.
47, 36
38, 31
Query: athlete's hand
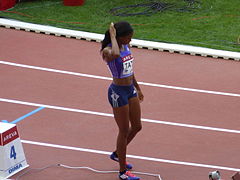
140, 96
112, 30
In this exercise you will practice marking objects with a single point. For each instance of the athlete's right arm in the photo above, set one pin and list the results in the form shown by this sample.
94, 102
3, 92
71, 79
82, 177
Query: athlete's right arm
111, 53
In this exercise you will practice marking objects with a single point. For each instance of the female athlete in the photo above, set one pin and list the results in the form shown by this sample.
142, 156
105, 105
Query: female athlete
124, 93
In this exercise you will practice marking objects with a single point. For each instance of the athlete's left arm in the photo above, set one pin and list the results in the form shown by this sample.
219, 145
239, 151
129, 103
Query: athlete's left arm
140, 94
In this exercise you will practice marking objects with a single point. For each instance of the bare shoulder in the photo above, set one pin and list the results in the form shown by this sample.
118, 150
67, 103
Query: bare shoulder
106, 51
107, 54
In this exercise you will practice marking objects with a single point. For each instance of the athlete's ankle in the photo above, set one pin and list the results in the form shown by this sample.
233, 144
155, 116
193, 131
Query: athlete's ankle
122, 171
115, 153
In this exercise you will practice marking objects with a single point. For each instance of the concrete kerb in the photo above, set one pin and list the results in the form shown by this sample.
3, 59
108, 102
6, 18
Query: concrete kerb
173, 48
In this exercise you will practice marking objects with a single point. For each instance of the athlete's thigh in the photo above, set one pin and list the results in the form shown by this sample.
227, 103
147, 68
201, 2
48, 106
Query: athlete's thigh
121, 116
135, 112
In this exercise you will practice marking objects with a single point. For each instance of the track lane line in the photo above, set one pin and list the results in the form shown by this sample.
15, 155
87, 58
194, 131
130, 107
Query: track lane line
108, 78
130, 156
111, 115
26, 115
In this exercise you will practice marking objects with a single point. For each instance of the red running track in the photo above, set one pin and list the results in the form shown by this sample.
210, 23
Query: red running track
71, 128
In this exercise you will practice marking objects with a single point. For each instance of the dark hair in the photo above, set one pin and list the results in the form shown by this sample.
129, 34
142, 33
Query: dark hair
123, 28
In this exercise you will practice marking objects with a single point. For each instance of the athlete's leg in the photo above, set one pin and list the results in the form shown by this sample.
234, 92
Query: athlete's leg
121, 115
135, 118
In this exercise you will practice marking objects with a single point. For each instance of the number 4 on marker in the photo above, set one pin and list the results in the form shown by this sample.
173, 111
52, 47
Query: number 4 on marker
13, 153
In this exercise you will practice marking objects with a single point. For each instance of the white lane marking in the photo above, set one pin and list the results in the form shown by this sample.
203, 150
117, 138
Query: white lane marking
111, 115
54, 70
131, 156
108, 78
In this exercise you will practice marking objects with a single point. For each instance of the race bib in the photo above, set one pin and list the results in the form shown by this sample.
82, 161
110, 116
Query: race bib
128, 65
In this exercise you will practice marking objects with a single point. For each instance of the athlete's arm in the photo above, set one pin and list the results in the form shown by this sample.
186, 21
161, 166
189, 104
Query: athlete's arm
140, 94
111, 53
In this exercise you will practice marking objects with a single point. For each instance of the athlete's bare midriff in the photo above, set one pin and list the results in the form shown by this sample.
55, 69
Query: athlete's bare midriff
123, 81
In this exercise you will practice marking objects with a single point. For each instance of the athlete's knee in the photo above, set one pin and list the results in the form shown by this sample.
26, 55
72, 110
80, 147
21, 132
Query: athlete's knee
124, 132
137, 128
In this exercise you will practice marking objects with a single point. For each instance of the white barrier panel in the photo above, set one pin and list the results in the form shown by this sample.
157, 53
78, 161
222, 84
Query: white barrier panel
12, 157
173, 48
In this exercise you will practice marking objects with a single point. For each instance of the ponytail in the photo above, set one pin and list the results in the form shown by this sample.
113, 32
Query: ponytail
106, 40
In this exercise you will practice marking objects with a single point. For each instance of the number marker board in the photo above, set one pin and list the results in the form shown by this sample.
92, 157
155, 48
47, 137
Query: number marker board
12, 157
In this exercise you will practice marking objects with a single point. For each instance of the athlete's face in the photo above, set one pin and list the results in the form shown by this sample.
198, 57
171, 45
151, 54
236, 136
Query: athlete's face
126, 39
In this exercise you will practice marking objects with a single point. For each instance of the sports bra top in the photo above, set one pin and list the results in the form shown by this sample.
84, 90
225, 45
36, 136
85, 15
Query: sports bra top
122, 66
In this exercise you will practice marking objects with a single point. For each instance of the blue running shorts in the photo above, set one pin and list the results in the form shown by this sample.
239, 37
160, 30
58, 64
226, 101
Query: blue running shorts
119, 95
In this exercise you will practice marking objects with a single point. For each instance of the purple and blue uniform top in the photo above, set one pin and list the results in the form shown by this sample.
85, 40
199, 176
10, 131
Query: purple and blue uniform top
122, 66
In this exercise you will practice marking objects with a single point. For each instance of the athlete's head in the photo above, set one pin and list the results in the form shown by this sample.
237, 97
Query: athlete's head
124, 32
